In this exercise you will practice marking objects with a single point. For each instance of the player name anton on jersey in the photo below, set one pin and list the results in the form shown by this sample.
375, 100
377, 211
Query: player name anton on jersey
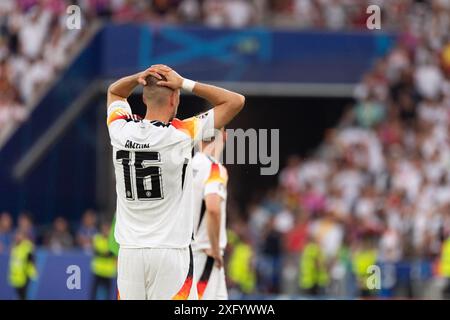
134, 145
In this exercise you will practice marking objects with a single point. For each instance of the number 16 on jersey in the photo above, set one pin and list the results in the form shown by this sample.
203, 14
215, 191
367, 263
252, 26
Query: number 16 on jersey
142, 177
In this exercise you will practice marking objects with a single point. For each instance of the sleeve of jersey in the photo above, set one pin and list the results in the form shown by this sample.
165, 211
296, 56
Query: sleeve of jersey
197, 128
216, 182
118, 113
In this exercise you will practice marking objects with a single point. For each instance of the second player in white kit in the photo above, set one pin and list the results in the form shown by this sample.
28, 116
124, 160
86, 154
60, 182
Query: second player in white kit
154, 180
210, 239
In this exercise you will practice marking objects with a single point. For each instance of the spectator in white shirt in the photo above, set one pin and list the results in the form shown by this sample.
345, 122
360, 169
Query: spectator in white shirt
33, 32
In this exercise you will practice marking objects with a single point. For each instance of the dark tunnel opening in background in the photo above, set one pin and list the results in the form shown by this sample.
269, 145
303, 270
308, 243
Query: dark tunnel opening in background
302, 123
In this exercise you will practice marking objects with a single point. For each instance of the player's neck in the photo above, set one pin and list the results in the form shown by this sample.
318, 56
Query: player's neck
158, 114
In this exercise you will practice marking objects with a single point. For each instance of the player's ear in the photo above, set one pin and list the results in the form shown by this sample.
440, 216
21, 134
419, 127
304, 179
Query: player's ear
173, 99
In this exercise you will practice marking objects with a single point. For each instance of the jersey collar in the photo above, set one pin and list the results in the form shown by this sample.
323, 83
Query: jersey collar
159, 123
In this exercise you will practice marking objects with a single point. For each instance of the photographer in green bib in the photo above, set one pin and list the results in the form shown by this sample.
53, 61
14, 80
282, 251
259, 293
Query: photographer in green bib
22, 267
313, 271
104, 262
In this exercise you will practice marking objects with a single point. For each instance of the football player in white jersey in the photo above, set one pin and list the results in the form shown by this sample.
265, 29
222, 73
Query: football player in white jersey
210, 239
154, 186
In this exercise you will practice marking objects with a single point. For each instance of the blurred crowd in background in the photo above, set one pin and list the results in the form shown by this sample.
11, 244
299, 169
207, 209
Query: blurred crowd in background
91, 235
378, 187
58, 237
35, 43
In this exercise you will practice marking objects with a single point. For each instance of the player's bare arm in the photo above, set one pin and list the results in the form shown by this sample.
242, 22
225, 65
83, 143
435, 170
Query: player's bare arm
227, 104
122, 88
212, 203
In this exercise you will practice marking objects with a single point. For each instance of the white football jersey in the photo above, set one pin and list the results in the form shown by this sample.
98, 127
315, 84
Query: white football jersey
210, 177
153, 169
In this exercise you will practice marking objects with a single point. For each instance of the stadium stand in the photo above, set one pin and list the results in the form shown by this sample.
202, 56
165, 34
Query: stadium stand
381, 174
35, 47
34, 39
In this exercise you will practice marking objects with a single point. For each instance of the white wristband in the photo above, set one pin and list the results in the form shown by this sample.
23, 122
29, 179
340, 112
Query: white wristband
188, 85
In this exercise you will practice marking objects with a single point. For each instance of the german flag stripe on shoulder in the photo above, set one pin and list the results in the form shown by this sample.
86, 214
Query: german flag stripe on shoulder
188, 126
121, 114
215, 174
117, 115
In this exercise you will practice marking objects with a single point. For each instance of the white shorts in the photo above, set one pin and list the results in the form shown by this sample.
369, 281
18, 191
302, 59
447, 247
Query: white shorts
211, 283
155, 274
